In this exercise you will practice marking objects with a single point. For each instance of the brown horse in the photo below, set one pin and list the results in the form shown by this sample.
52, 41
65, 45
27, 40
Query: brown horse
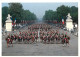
65, 41
9, 41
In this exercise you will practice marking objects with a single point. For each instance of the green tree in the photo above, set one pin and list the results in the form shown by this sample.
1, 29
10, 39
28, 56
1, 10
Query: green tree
50, 15
27, 15
62, 12
4, 14
74, 14
15, 9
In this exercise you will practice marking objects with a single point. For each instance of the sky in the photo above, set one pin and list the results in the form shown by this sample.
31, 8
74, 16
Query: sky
40, 8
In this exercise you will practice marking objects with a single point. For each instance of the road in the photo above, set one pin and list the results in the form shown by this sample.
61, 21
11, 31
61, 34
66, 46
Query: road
40, 49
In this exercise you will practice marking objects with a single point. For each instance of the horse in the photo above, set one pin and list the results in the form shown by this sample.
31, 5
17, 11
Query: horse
28, 39
24, 38
41, 37
65, 41
15, 37
56, 37
36, 37
49, 37
44, 39
33, 39
52, 38
20, 39
9, 41
68, 37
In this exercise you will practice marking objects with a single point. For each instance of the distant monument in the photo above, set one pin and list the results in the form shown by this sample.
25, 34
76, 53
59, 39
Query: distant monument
69, 22
8, 23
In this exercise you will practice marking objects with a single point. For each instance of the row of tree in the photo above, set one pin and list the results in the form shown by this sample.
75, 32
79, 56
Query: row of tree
16, 11
61, 13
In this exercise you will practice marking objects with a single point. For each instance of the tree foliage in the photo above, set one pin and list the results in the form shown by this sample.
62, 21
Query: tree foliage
50, 15
16, 11
4, 14
74, 14
27, 15
61, 13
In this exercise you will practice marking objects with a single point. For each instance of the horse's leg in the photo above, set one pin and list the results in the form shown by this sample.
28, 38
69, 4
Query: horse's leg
56, 40
32, 40
45, 41
52, 40
42, 40
28, 40
35, 39
48, 40
63, 44
7, 45
12, 44
68, 44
